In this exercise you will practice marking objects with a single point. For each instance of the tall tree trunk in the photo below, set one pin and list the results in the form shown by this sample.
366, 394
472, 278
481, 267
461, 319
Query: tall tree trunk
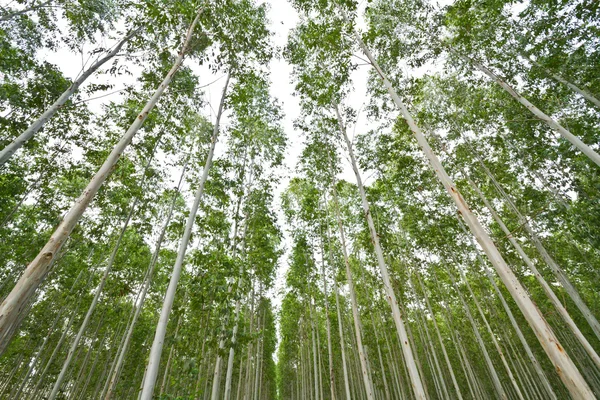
240, 375
439, 336
161, 328
33, 362
339, 316
383, 374
431, 346
533, 360
260, 328
98, 387
10, 149
575, 141
230, 359
37, 270
229, 374
314, 351
56, 349
389, 290
492, 336
584, 93
249, 356
140, 303
492, 370
99, 290
327, 322
355, 313
563, 364
164, 383
81, 368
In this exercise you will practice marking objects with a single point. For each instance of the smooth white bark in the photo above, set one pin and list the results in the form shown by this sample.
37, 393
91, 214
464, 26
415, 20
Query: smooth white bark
538, 276
575, 141
584, 93
560, 275
328, 323
337, 307
385, 276
11, 148
161, 328
439, 336
355, 314
142, 298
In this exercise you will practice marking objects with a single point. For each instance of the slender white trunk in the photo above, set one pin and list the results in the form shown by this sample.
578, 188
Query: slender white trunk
230, 359
492, 336
216, 383
56, 349
249, 357
93, 366
98, 387
339, 317
385, 276
327, 322
73, 390
533, 360
584, 93
37, 270
575, 141
556, 269
229, 375
240, 375
439, 336
100, 288
431, 346
488, 361
383, 374
342, 344
16, 144
355, 314
564, 366
161, 328
140, 303
314, 352
92, 308
258, 354
33, 361
203, 338
163, 385
419, 366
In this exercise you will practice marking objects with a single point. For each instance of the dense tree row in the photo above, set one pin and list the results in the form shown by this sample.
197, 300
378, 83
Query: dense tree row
393, 281
154, 281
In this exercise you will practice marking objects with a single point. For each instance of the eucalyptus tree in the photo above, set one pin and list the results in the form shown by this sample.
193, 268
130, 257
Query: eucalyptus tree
308, 53
569, 373
242, 40
17, 143
37, 270
257, 138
